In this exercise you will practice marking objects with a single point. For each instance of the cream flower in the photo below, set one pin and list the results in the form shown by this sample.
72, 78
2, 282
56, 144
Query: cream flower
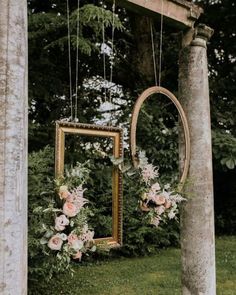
159, 210
155, 221
69, 209
55, 242
61, 222
63, 192
155, 187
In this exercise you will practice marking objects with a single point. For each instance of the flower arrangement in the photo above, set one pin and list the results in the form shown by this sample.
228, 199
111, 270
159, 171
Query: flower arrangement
160, 203
67, 234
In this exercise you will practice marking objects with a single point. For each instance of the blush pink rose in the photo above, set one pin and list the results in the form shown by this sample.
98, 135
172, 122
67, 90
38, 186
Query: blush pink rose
69, 209
78, 255
72, 238
61, 222
55, 243
63, 192
159, 200
167, 204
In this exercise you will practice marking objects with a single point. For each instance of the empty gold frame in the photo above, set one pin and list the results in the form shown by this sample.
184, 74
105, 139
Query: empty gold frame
65, 128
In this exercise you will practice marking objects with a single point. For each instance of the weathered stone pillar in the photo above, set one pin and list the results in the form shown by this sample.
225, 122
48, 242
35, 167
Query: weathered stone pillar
197, 216
13, 147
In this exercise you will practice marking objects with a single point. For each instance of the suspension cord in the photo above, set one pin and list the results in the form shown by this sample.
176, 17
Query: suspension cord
77, 60
112, 57
153, 53
161, 41
69, 57
104, 62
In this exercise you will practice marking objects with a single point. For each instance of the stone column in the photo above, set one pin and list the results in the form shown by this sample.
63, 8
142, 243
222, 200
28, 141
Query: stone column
13, 147
197, 216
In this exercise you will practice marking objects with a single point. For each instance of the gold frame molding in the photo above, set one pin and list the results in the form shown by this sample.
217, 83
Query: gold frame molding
134, 120
63, 128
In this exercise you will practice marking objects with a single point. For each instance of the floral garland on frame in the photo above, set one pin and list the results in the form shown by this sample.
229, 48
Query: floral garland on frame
159, 203
66, 233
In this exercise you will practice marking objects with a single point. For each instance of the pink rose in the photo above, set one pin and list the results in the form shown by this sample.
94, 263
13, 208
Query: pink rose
55, 243
69, 209
144, 207
61, 222
63, 192
74, 242
78, 255
72, 238
159, 200
168, 204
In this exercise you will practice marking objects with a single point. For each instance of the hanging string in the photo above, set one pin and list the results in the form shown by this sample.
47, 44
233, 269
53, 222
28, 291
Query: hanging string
112, 57
153, 53
112, 45
69, 57
77, 60
104, 62
161, 41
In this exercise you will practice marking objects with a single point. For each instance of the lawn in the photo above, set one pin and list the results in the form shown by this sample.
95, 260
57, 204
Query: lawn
159, 274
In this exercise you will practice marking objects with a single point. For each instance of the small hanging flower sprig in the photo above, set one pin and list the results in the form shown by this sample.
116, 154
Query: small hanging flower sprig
67, 234
161, 203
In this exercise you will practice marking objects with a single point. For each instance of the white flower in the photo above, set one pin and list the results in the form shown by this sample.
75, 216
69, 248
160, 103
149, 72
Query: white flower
155, 187
63, 236
61, 222
149, 172
77, 245
172, 214
105, 49
159, 210
143, 161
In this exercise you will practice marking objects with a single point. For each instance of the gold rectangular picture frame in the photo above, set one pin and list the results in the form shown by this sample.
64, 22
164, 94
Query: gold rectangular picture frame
116, 134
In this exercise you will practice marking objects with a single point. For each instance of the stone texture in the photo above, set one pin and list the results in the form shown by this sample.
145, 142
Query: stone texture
197, 216
13, 147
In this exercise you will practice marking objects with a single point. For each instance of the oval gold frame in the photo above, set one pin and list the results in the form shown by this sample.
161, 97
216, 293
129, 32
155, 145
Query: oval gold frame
134, 119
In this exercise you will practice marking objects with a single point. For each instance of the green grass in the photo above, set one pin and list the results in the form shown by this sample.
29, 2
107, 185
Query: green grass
159, 274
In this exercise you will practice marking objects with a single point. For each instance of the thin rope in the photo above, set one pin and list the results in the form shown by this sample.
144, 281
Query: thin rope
112, 44
69, 57
104, 62
161, 41
153, 54
112, 58
77, 61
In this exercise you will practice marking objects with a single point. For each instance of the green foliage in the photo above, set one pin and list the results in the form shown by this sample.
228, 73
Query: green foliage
41, 169
224, 148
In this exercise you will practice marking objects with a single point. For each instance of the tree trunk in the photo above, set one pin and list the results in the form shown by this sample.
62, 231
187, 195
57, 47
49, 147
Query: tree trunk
13, 147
